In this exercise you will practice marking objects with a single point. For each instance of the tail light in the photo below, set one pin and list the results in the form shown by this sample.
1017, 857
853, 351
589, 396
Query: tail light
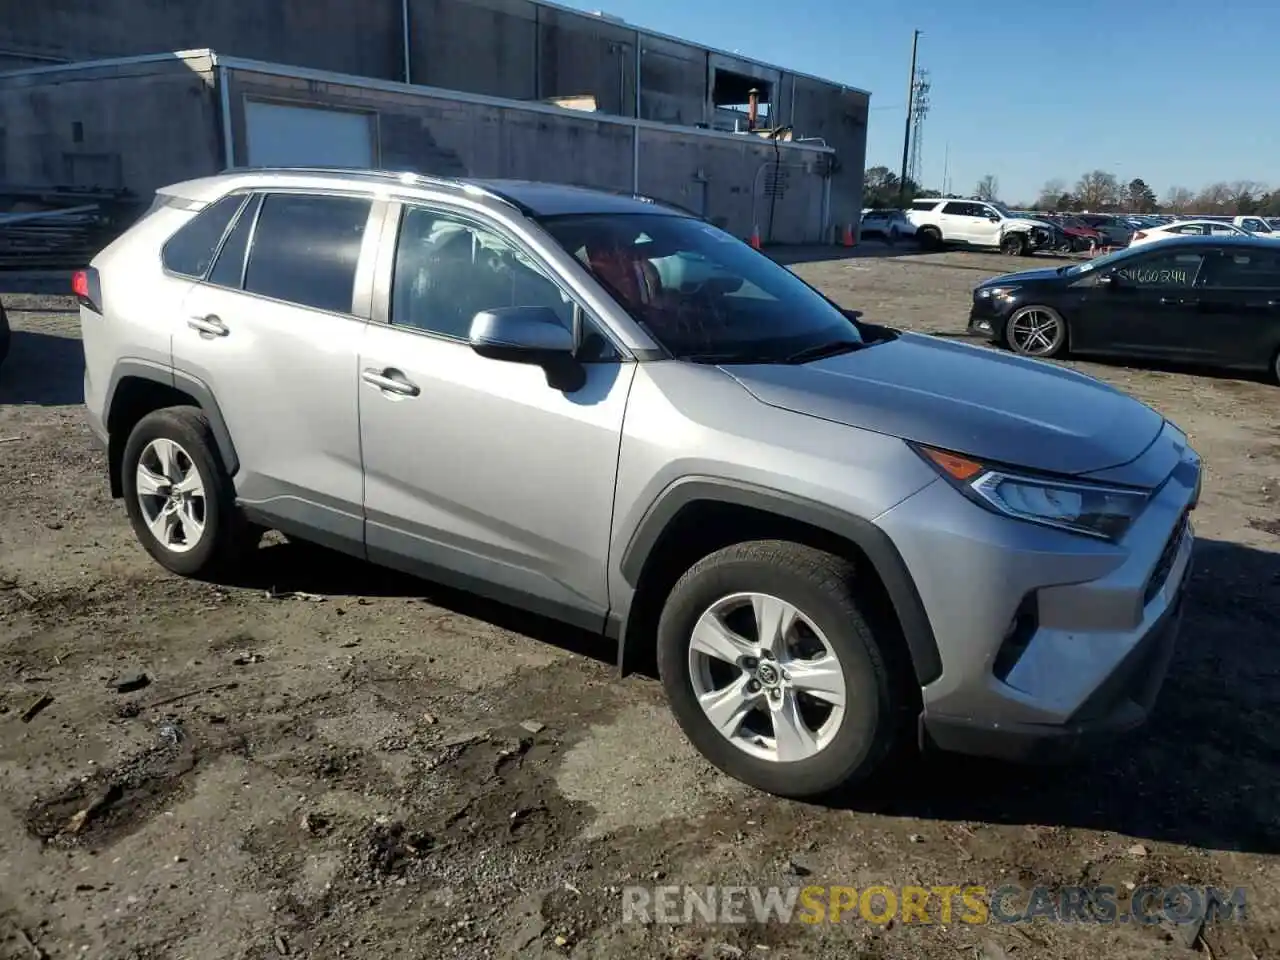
1140, 235
87, 288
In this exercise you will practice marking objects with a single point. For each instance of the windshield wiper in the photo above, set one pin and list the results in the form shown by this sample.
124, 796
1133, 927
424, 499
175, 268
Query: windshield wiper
830, 348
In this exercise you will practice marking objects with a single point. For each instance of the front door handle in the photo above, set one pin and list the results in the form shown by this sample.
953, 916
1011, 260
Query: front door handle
392, 381
1178, 301
209, 326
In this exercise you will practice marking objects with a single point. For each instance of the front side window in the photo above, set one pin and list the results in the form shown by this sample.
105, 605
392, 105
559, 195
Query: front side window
1161, 270
448, 269
306, 249
190, 251
701, 293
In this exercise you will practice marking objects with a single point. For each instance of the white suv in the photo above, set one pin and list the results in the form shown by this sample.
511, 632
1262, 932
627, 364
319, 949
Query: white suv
977, 223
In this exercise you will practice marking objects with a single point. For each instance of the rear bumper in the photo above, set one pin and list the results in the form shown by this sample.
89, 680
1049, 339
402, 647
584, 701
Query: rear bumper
1120, 705
96, 426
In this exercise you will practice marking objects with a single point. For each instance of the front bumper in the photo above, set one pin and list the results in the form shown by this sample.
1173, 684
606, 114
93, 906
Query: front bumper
1048, 640
987, 317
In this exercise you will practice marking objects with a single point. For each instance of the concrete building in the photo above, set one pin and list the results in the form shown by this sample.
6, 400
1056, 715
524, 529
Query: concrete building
479, 87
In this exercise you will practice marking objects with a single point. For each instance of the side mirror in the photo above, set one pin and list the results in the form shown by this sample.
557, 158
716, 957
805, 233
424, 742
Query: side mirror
532, 335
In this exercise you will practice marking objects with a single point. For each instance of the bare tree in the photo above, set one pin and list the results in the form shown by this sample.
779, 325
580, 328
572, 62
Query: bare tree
1098, 190
1178, 200
988, 188
1215, 198
1051, 193
1244, 195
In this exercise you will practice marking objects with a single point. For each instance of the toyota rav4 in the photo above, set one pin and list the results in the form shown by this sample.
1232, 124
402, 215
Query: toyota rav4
829, 535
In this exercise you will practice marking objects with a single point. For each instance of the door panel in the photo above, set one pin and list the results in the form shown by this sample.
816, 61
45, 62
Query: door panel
1146, 310
285, 373
478, 472
1237, 314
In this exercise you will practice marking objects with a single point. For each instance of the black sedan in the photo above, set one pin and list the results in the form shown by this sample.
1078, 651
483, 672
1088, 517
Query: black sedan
1191, 299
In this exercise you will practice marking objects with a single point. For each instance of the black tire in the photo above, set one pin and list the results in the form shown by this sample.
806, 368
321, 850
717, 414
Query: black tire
930, 238
823, 587
227, 536
1058, 346
1013, 244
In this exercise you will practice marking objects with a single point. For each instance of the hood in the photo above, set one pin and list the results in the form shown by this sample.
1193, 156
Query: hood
1022, 276
971, 400
1030, 222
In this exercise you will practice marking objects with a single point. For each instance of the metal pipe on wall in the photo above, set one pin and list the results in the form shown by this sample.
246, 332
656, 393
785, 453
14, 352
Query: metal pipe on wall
635, 130
404, 30
224, 106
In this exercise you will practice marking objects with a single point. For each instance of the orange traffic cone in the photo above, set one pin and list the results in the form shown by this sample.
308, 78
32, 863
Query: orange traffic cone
849, 241
755, 237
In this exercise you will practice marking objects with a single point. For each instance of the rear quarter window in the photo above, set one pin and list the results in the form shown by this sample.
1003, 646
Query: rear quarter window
191, 250
306, 248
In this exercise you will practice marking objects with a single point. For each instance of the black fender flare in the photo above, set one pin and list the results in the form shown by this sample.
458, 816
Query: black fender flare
197, 389
874, 543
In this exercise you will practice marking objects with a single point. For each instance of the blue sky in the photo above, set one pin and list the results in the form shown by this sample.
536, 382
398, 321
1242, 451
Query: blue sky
1029, 91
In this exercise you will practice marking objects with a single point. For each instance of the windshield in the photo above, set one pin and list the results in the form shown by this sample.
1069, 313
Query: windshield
1097, 263
700, 292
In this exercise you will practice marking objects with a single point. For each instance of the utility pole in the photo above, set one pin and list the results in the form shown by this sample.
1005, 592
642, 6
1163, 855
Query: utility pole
906, 136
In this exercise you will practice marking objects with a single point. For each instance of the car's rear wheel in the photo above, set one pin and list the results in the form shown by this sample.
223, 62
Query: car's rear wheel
929, 238
774, 672
1036, 331
178, 494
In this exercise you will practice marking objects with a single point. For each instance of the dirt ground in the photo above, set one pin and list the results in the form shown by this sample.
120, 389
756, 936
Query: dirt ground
330, 760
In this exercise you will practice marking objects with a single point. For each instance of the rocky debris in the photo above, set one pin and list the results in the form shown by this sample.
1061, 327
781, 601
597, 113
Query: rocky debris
131, 683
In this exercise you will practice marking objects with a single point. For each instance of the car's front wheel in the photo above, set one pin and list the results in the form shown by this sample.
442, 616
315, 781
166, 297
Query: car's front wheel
774, 671
1013, 244
1036, 331
178, 494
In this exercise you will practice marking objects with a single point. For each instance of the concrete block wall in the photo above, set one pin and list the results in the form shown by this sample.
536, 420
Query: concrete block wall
350, 36
138, 126
719, 177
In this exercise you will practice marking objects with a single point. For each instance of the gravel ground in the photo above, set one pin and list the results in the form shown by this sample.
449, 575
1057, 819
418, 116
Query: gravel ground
330, 760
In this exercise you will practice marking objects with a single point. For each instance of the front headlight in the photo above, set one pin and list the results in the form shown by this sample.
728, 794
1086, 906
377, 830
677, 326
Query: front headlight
1077, 506
996, 293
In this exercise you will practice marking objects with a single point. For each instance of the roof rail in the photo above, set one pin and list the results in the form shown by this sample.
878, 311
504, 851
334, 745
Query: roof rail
410, 177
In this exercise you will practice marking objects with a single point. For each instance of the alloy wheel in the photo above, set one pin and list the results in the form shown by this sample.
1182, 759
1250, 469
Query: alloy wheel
1035, 331
171, 494
766, 677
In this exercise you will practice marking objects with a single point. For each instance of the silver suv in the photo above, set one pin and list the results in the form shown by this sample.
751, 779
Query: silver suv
830, 535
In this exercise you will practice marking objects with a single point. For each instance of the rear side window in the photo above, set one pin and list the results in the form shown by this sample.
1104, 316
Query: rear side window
1246, 269
190, 251
229, 268
306, 248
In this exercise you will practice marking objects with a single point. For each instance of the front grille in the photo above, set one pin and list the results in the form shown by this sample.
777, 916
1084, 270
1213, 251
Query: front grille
1165, 564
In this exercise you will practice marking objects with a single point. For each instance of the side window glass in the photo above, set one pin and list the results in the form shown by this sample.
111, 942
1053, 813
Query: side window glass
306, 249
1164, 270
447, 270
958, 209
190, 251
1253, 270
228, 269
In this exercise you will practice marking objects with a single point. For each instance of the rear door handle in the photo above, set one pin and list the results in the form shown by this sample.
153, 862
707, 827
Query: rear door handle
392, 381
209, 326
1178, 301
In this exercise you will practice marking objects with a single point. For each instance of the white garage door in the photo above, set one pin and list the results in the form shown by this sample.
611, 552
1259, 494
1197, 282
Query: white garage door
282, 135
